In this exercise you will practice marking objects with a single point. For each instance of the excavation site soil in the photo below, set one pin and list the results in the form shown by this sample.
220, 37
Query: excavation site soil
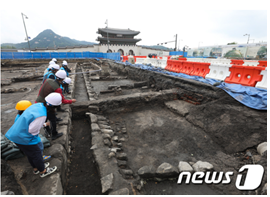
128, 123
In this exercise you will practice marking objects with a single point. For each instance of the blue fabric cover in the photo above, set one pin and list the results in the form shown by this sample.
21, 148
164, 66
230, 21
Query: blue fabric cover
255, 98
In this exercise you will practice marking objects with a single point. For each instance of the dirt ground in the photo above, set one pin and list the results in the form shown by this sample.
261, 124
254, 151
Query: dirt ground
83, 177
154, 135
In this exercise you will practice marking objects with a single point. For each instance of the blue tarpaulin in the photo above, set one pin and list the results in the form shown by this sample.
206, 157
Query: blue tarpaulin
255, 98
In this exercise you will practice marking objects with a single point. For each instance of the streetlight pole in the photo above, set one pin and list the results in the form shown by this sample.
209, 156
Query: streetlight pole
175, 42
247, 44
107, 35
25, 30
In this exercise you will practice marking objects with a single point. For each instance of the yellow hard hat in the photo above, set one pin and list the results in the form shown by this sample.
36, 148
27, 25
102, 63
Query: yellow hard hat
23, 105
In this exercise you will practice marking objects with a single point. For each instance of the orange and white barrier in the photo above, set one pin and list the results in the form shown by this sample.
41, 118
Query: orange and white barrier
263, 82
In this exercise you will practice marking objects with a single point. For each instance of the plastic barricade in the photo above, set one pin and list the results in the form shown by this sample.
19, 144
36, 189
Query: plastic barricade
187, 67
54, 55
125, 58
6, 55
170, 64
45, 55
135, 57
182, 58
262, 63
17, 55
70, 55
62, 55
139, 60
263, 82
245, 75
237, 62
250, 63
200, 69
218, 71
37, 55
78, 55
154, 62
162, 63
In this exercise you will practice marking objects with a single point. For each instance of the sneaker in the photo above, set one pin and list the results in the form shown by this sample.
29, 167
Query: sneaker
56, 136
46, 158
48, 171
46, 165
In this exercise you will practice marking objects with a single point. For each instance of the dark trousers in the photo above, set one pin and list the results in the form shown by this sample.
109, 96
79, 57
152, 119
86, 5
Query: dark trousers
52, 118
34, 155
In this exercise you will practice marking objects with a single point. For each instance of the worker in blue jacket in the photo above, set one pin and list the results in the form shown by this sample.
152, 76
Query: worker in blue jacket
51, 74
21, 106
24, 132
65, 68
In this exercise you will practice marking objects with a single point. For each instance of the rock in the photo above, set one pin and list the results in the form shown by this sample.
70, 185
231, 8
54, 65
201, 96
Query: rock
119, 144
101, 118
115, 149
201, 166
106, 136
111, 154
107, 183
102, 126
107, 131
93, 117
257, 158
123, 191
115, 138
103, 122
127, 172
95, 127
124, 130
122, 139
262, 148
94, 147
184, 167
122, 156
147, 172
166, 170
93, 109
122, 163
107, 142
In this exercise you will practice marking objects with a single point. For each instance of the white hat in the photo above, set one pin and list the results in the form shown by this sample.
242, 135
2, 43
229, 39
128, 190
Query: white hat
67, 80
53, 59
61, 74
55, 66
65, 62
54, 99
51, 62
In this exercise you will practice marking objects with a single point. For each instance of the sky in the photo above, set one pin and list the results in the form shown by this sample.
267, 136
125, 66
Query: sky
196, 23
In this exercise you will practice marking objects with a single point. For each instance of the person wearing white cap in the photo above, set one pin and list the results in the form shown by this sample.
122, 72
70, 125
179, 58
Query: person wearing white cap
55, 60
48, 87
49, 67
51, 74
65, 85
65, 68
24, 132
